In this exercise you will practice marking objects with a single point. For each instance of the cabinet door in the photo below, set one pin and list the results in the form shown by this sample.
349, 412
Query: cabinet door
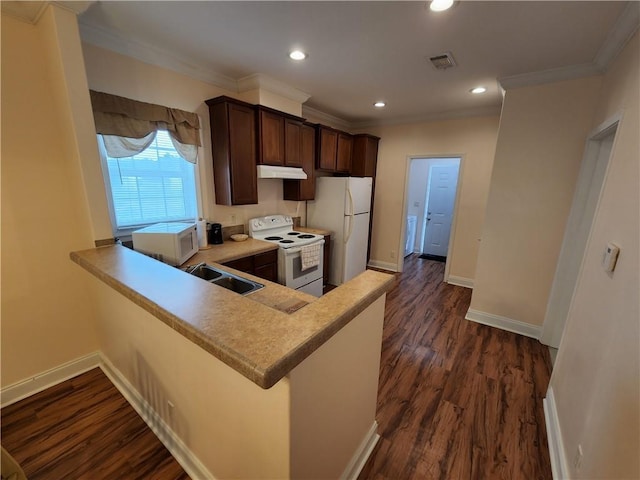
327, 149
243, 264
304, 189
292, 139
268, 272
242, 155
271, 135
327, 259
345, 146
365, 155
266, 265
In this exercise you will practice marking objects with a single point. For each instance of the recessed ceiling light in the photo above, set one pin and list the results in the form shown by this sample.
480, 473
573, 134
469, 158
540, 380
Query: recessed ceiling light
440, 5
478, 90
379, 104
297, 55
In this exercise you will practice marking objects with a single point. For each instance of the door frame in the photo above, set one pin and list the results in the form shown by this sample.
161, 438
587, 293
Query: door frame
405, 204
549, 331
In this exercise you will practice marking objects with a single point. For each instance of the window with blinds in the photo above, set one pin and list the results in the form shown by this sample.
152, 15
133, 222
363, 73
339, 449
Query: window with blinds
156, 185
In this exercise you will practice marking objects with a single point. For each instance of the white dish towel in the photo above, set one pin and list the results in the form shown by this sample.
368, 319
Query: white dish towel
310, 255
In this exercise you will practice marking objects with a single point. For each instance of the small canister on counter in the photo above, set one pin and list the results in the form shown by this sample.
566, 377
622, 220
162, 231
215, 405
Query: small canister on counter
214, 231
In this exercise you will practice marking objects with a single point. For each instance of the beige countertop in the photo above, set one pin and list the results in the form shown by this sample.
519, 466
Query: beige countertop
231, 250
315, 231
264, 335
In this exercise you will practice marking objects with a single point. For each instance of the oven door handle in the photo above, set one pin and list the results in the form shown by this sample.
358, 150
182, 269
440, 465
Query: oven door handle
298, 249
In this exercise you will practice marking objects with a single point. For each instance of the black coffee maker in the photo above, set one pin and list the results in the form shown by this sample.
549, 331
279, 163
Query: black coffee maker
214, 233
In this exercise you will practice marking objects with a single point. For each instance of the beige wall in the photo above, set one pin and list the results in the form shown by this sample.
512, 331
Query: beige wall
333, 397
472, 138
46, 317
542, 134
235, 428
596, 379
120, 75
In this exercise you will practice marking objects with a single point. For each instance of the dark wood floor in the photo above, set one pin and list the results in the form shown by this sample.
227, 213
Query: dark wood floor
84, 429
457, 400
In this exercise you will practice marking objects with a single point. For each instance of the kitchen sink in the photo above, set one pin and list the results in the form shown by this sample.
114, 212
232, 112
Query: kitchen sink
205, 272
223, 279
241, 286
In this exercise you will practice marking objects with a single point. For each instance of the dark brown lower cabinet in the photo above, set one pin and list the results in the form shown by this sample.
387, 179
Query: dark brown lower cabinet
263, 265
327, 259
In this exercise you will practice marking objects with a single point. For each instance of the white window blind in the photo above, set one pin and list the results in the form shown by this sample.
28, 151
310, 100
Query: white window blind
156, 185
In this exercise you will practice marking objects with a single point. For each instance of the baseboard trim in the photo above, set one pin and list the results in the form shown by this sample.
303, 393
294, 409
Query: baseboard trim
391, 267
559, 465
361, 455
460, 281
183, 455
30, 386
503, 323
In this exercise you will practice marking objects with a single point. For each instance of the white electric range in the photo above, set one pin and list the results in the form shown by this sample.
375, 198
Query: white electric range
279, 229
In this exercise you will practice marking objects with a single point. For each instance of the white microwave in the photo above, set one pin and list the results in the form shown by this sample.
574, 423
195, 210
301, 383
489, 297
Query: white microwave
172, 243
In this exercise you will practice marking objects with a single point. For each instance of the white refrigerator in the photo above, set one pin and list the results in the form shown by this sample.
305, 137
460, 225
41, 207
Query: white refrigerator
342, 206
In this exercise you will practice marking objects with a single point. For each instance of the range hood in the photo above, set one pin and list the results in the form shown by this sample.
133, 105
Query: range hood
269, 171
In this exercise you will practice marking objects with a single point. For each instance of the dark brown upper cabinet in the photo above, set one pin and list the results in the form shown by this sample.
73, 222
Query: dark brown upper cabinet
327, 148
334, 150
278, 138
365, 155
293, 143
345, 148
304, 189
233, 144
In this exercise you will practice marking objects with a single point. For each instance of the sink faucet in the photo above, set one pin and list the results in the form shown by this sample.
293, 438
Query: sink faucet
193, 268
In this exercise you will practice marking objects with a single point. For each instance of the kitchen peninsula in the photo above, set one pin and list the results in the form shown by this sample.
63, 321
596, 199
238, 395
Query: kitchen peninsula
276, 384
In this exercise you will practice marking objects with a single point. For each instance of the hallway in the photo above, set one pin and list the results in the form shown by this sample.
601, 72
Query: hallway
456, 399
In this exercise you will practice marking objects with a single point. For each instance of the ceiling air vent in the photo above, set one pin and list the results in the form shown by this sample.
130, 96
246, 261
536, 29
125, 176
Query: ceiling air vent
444, 61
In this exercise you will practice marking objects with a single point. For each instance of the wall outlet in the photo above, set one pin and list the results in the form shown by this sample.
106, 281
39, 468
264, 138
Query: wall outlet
393, 254
233, 219
577, 460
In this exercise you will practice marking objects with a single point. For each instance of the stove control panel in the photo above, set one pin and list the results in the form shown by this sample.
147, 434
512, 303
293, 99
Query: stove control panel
270, 222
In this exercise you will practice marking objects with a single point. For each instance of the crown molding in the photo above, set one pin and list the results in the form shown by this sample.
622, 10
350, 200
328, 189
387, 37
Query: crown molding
155, 56
624, 28
76, 6
490, 111
32, 11
28, 12
265, 82
549, 76
323, 117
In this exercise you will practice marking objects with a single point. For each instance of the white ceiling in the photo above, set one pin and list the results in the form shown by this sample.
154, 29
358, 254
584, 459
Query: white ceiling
360, 52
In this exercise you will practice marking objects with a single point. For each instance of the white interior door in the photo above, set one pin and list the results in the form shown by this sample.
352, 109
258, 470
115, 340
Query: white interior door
441, 196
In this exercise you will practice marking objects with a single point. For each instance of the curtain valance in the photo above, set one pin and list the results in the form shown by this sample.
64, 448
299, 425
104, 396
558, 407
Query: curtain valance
123, 117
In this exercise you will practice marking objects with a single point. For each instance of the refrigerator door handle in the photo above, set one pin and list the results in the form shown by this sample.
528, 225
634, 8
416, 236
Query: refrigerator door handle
350, 231
350, 214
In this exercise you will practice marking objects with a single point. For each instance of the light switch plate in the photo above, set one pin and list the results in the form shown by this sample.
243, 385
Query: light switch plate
610, 257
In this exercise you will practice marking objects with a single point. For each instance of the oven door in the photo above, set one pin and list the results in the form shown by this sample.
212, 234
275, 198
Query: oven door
290, 271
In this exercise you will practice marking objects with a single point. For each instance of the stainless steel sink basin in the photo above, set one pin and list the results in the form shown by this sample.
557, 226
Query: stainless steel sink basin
206, 272
241, 286
223, 279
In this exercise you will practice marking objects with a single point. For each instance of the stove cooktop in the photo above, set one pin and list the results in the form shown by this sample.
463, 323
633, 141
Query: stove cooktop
279, 229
